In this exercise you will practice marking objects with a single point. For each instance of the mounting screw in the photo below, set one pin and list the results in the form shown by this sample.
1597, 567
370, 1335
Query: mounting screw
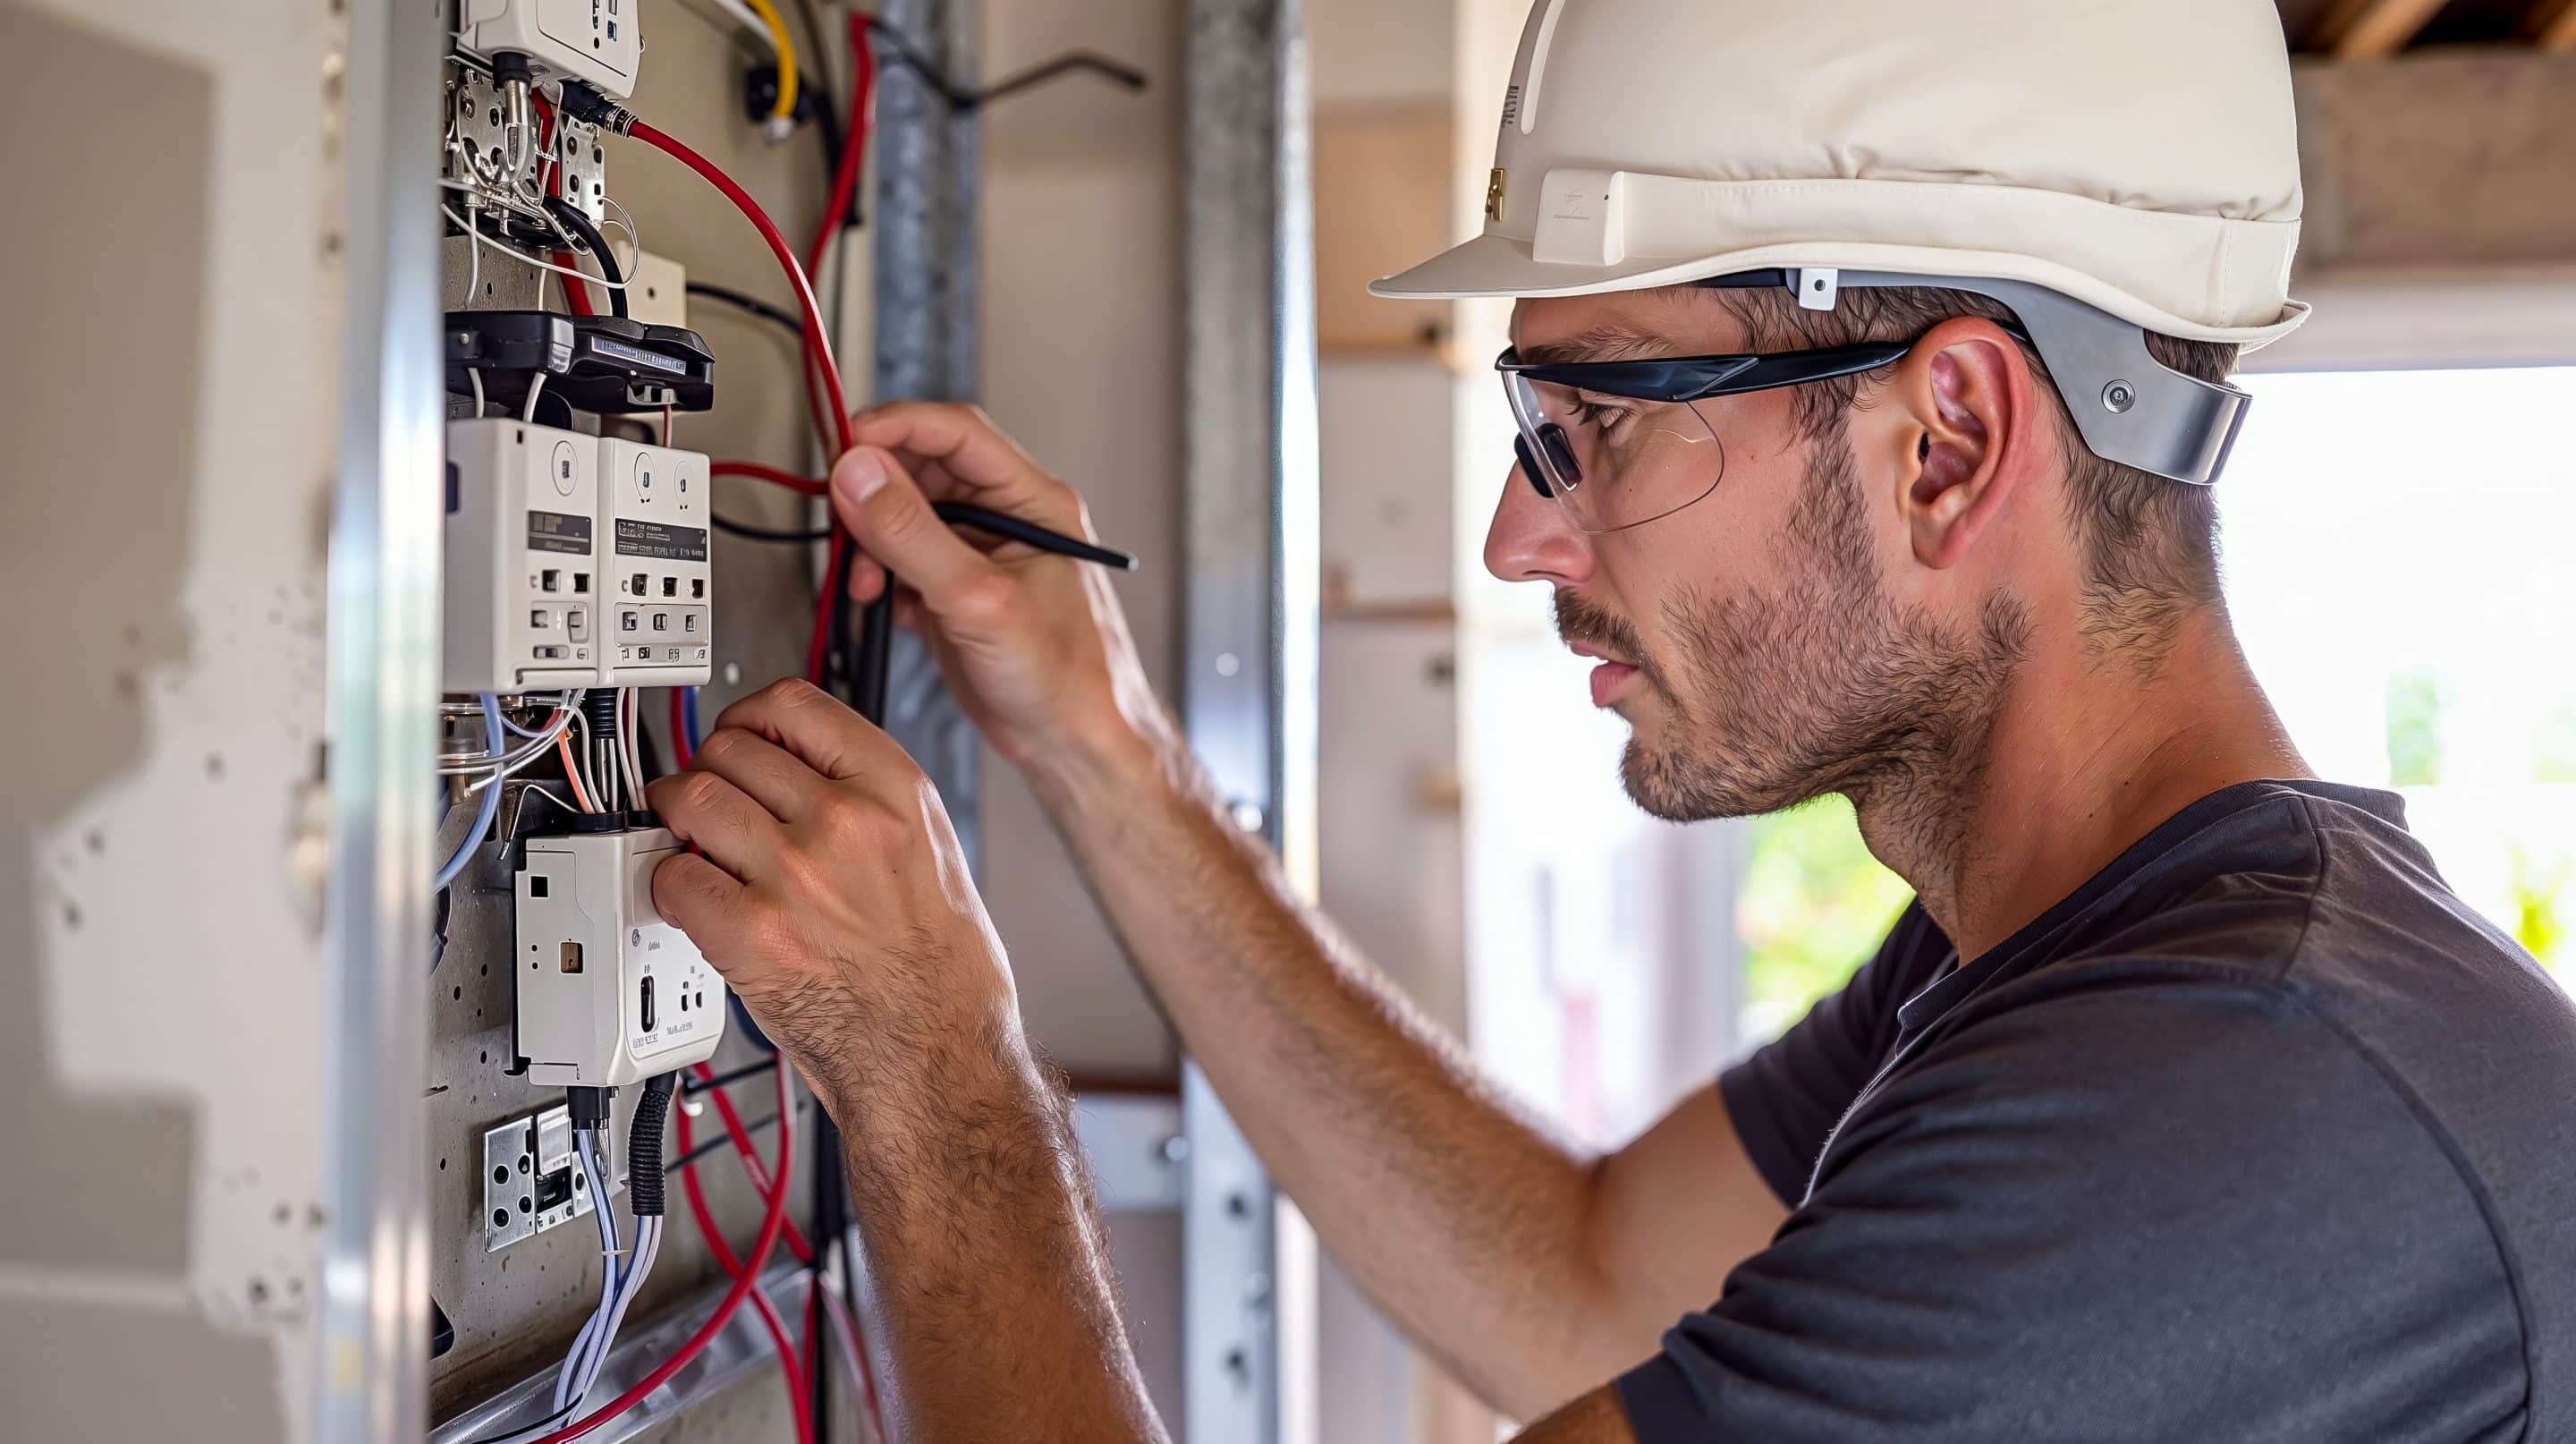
2118, 397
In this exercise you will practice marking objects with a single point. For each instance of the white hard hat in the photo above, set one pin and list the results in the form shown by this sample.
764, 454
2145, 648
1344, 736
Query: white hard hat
2137, 155
2104, 167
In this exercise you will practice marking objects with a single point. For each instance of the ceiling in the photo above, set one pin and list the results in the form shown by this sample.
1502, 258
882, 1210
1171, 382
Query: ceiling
2362, 29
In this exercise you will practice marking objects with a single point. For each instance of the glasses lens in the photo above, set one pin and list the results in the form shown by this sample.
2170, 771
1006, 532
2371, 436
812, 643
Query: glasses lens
1614, 461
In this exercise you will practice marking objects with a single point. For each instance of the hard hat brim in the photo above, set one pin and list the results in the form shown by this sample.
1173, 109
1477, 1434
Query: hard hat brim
1499, 266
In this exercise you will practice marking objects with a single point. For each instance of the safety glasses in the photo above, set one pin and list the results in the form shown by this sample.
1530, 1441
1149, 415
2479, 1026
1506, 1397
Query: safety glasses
1622, 443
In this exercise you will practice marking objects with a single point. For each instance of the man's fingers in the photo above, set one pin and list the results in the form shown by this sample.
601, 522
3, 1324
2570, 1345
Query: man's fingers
716, 816
765, 772
958, 453
894, 523
700, 899
817, 729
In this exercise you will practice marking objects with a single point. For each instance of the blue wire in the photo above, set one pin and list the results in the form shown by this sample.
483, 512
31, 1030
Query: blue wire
491, 799
689, 714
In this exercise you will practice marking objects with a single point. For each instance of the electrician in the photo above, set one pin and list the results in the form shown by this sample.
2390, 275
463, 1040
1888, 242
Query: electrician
2186, 1103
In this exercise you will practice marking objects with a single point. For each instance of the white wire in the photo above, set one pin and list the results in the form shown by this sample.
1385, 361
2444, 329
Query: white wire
625, 220
536, 388
561, 701
743, 16
626, 746
550, 795
648, 1247
474, 380
507, 762
523, 258
576, 1362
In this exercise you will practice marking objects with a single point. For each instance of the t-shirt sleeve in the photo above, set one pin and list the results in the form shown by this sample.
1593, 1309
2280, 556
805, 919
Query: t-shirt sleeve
2124, 1213
1786, 1098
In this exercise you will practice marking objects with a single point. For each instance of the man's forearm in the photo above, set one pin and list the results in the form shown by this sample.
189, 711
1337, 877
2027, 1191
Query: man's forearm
987, 1263
1465, 1220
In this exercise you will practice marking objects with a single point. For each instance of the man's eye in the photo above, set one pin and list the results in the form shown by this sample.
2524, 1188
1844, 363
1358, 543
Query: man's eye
1598, 416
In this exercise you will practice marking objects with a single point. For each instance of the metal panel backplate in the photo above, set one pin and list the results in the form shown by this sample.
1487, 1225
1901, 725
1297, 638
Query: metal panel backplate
529, 1181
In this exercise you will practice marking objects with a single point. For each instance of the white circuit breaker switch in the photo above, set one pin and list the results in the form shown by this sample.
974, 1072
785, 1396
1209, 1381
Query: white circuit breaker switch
592, 40
526, 564
653, 512
609, 994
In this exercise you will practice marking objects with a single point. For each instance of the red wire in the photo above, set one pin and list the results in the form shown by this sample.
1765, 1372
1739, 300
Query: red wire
817, 338
775, 477
680, 748
751, 1164
799, 1403
696, 1343
845, 180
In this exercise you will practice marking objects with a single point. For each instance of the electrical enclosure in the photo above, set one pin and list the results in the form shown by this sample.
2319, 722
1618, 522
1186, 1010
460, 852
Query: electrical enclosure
609, 993
523, 570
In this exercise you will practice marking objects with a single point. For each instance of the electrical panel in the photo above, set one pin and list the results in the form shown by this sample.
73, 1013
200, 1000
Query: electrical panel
525, 566
654, 514
609, 994
592, 40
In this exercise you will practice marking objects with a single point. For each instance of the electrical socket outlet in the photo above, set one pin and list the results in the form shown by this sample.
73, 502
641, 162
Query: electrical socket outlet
653, 512
591, 40
609, 994
524, 569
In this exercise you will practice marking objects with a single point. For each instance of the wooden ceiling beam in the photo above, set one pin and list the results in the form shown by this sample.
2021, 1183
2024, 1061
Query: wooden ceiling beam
2552, 26
2372, 29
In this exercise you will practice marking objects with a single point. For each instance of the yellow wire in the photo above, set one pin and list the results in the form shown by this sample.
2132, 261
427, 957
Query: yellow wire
785, 109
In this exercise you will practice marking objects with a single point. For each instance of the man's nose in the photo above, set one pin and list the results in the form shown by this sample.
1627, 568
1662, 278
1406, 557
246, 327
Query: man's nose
1531, 540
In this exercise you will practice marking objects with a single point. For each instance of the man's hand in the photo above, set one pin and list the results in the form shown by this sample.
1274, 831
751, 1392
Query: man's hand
831, 894
1033, 645
834, 899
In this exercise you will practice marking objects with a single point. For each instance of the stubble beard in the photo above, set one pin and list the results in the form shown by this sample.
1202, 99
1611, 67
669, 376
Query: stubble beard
1822, 685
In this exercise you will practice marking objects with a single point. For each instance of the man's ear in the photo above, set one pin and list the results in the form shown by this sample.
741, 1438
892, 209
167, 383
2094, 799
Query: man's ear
1967, 399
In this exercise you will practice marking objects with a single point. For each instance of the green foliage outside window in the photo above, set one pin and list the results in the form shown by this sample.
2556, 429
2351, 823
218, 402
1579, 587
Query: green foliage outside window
2539, 899
2415, 699
1814, 906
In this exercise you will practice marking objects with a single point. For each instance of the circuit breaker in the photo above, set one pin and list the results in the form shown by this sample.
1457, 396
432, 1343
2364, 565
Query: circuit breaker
653, 511
609, 994
525, 568
592, 40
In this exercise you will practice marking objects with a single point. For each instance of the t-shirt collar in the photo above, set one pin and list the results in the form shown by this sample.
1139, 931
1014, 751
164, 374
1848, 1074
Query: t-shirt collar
1921, 1010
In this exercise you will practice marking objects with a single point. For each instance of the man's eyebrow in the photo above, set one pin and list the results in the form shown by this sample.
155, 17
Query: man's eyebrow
1601, 343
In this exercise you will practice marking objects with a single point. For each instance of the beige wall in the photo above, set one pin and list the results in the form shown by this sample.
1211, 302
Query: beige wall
1081, 361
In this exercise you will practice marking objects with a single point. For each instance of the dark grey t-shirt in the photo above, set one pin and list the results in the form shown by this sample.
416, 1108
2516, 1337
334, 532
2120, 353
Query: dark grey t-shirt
2261, 1134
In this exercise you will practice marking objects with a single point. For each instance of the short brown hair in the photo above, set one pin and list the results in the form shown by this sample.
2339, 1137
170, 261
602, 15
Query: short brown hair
2150, 544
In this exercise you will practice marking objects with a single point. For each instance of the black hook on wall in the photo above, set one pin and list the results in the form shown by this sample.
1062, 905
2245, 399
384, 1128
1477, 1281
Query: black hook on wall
905, 53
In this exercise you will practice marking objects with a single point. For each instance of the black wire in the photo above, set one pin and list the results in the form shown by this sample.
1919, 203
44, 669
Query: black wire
766, 534
723, 1139
577, 223
694, 1084
752, 304
910, 56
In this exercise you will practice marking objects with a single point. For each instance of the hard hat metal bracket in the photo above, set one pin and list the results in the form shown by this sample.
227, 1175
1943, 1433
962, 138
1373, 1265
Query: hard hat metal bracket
2130, 408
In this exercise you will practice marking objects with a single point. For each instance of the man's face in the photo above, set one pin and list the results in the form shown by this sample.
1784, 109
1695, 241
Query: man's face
1764, 642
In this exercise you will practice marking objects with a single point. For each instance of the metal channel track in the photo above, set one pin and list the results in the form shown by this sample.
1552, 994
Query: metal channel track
1248, 665
741, 1349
